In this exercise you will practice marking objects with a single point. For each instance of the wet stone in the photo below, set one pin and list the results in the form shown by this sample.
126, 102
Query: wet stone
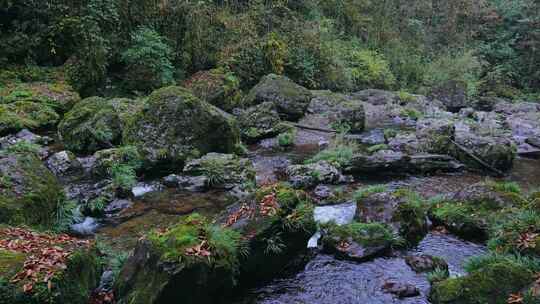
400, 289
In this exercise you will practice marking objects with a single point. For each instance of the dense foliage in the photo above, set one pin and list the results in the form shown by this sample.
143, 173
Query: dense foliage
491, 46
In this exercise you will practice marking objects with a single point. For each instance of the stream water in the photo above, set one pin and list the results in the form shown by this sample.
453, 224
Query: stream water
324, 279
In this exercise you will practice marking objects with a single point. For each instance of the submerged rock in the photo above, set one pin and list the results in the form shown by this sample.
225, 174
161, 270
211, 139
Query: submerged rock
426, 263
401, 289
290, 99
162, 138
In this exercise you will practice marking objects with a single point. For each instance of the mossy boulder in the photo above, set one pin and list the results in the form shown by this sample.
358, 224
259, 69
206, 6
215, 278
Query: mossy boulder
222, 170
96, 123
29, 192
176, 126
357, 241
350, 115
491, 284
217, 87
435, 135
402, 210
471, 212
291, 100
277, 227
20, 115
260, 121
493, 147
73, 279
59, 96
192, 262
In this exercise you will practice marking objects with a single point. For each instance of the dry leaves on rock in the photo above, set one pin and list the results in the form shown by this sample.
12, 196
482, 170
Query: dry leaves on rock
46, 254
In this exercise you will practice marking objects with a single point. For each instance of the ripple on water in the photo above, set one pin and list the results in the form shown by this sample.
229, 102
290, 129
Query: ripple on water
454, 251
327, 280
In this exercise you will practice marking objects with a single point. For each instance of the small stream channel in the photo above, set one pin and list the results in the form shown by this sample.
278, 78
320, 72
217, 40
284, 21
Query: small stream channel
324, 279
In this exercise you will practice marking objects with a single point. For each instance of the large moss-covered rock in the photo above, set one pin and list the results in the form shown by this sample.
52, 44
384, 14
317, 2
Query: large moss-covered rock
260, 121
96, 123
192, 262
472, 211
487, 142
277, 227
491, 284
74, 265
402, 210
60, 96
26, 115
29, 192
291, 100
175, 126
217, 87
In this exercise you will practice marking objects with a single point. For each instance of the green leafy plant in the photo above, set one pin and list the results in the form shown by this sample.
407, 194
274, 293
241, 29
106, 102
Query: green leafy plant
437, 275
148, 61
286, 139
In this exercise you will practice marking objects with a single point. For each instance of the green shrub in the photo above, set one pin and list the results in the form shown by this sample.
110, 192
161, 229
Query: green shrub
286, 139
148, 61
339, 155
462, 67
369, 69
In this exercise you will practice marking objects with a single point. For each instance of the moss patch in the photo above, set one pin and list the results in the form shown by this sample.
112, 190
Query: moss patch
492, 284
29, 193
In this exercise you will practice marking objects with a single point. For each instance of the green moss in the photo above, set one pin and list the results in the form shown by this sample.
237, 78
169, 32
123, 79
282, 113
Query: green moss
364, 192
223, 243
33, 194
406, 97
411, 113
340, 155
376, 148
365, 234
219, 87
26, 114
520, 234
491, 284
58, 96
462, 219
107, 159
412, 214
286, 139
10, 263
162, 138
96, 123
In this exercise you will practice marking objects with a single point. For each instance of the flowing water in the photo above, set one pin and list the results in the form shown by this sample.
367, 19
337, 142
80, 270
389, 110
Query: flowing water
324, 279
